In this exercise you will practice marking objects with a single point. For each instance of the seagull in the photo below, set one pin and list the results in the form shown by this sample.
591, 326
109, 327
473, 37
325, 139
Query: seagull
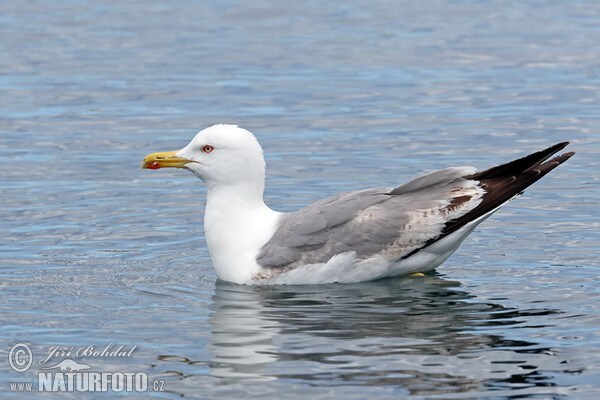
355, 236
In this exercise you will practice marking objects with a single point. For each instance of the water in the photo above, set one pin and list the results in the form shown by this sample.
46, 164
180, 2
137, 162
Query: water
342, 96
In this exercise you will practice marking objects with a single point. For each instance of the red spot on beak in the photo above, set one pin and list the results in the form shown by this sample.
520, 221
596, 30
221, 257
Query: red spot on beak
154, 165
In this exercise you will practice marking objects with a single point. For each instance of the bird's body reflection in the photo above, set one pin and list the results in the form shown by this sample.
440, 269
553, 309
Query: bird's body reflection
422, 334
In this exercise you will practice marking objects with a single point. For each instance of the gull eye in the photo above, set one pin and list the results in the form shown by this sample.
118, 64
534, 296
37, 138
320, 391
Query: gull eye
207, 148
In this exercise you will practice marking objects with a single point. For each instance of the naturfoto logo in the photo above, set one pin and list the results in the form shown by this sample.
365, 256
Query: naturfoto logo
68, 375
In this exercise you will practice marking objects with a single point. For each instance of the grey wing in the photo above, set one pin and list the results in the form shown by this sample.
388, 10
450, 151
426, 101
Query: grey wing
367, 222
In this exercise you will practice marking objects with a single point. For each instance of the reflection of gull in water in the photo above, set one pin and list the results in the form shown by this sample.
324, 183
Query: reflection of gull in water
241, 338
354, 236
415, 333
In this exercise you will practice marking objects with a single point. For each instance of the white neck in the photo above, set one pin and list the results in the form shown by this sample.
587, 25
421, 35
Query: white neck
237, 224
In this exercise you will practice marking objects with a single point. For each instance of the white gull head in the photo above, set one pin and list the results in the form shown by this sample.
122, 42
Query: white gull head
237, 222
227, 156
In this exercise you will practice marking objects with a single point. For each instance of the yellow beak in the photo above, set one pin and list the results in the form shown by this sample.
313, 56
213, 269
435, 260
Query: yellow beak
163, 160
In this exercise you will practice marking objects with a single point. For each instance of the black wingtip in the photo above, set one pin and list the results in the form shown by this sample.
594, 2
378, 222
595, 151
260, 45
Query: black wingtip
505, 181
566, 156
532, 161
561, 145
554, 162
552, 150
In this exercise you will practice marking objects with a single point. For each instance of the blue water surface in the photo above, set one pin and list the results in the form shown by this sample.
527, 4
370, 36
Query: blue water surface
342, 96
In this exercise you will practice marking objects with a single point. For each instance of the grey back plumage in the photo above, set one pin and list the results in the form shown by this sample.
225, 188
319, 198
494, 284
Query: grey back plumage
370, 221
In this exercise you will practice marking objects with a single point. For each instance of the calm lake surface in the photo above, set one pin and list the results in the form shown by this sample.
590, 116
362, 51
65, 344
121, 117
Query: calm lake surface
342, 96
